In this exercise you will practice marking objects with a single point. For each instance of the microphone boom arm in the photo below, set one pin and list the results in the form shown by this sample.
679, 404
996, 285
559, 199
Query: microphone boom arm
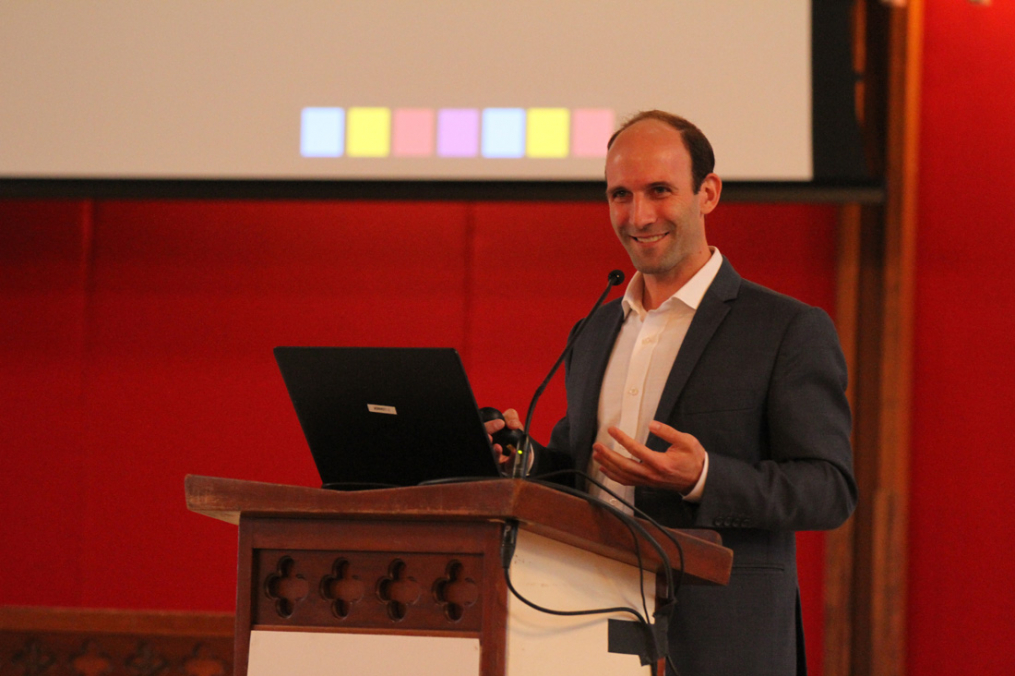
521, 466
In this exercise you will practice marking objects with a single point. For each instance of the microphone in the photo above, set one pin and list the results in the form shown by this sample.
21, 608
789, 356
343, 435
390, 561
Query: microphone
522, 459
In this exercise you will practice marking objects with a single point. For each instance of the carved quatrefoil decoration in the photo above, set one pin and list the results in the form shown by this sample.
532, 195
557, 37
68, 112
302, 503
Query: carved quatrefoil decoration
203, 662
146, 661
397, 590
342, 589
91, 661
454, 591
33, 659
285, 588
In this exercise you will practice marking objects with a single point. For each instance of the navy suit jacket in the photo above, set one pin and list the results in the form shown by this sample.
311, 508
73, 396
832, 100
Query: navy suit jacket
760, 381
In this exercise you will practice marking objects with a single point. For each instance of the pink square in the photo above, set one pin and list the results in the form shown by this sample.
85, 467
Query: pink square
413, 133
591, 130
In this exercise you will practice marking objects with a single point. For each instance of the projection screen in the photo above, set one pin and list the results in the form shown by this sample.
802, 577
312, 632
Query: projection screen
391, 90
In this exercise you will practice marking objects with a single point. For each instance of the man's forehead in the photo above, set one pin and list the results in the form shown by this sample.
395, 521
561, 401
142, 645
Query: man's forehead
647, 155
651, 128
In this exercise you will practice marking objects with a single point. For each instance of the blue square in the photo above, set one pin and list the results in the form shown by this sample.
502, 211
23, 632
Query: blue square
503, 132
322, 133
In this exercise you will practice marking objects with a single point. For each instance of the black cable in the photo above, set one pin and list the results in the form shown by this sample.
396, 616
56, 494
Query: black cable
355, 486
658, 641
458, 480
662, 529
662, 614
630, 529
663, 556
673, 586
506, 556
551, 611
629, 522
632, 526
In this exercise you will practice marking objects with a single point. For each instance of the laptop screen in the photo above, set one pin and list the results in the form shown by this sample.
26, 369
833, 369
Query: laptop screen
377, 417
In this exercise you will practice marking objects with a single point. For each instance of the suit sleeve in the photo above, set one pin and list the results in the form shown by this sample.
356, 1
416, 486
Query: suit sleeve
804, 480
550, 458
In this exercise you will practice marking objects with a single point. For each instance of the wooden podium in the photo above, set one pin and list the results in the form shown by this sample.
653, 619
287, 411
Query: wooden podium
409, 580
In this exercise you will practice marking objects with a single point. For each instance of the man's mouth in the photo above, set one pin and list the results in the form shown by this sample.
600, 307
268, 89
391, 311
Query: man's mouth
648, 239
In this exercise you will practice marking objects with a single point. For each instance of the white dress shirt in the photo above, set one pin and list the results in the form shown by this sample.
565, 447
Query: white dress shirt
639, 367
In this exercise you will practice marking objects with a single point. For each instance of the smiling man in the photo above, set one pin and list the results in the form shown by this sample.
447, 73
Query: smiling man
709, 401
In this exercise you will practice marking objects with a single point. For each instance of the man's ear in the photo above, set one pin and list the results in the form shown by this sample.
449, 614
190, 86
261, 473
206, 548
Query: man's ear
708, 193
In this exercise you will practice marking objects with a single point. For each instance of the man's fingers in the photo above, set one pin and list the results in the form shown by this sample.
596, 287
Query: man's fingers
619, 468
639, 451
512, 419
667, 433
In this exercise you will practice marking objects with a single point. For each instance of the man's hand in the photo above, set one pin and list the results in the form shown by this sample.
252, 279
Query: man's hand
678, 469
513, 422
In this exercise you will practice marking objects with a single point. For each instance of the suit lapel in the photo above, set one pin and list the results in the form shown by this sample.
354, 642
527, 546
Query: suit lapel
710, 313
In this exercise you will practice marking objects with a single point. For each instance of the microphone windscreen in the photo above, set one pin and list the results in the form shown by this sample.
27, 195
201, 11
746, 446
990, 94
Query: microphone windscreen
616, 277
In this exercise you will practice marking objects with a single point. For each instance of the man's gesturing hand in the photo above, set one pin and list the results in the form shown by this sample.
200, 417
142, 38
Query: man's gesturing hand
679, 468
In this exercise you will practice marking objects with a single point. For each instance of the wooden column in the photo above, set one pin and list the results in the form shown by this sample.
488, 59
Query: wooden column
867, 565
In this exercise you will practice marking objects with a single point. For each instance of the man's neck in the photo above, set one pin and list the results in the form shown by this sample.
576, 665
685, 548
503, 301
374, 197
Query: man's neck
656, 289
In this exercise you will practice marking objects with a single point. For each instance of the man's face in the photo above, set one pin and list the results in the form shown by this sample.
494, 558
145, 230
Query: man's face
654, 210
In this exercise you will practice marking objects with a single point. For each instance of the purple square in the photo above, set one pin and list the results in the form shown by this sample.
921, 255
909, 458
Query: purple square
458, 132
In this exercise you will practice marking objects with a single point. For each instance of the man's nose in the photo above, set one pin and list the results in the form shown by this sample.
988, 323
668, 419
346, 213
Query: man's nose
642, 212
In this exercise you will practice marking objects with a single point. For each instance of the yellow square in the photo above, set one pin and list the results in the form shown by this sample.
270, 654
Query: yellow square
369, 132
547, 132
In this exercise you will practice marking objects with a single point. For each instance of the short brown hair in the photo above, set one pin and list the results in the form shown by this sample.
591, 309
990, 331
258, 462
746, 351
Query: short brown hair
700, 150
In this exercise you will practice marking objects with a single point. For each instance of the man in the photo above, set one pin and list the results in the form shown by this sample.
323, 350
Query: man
711, 401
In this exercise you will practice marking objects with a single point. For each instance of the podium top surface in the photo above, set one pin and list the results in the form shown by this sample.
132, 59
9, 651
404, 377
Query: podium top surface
542, 510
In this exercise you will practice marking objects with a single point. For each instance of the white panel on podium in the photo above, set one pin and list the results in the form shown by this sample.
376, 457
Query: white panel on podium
309, 653
562, 577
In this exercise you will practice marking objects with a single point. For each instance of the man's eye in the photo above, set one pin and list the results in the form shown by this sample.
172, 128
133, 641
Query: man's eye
661, 190
619, 194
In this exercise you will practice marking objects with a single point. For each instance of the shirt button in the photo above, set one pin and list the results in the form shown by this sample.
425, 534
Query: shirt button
633, 391
646, 341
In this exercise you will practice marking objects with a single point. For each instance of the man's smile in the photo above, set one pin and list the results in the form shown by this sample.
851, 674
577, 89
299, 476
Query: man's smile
649, 239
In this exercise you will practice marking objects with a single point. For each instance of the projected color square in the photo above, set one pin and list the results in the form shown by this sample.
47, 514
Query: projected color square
591, 129
322, 132
458, 132
548, 132
369, 132
503, 132
413, 132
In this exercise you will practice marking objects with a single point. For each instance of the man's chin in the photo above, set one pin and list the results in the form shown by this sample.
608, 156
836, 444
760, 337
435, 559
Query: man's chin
651, 267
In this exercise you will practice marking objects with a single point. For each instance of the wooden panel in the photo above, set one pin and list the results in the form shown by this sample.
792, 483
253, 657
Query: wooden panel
55, 641
370, 576
388, 590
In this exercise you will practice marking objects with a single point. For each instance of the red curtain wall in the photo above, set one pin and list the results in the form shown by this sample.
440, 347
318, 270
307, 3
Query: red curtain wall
961, 548
136, 342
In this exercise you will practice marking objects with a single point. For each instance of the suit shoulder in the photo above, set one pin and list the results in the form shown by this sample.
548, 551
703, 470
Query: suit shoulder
771, 301
760, 310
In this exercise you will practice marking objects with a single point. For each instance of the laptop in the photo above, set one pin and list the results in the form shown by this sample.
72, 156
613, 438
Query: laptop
381, 417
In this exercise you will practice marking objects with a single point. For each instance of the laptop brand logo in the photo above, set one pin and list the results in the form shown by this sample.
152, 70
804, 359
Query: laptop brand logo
377, 408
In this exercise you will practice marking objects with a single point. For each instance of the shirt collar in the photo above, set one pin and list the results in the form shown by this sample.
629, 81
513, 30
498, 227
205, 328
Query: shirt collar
690, 294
